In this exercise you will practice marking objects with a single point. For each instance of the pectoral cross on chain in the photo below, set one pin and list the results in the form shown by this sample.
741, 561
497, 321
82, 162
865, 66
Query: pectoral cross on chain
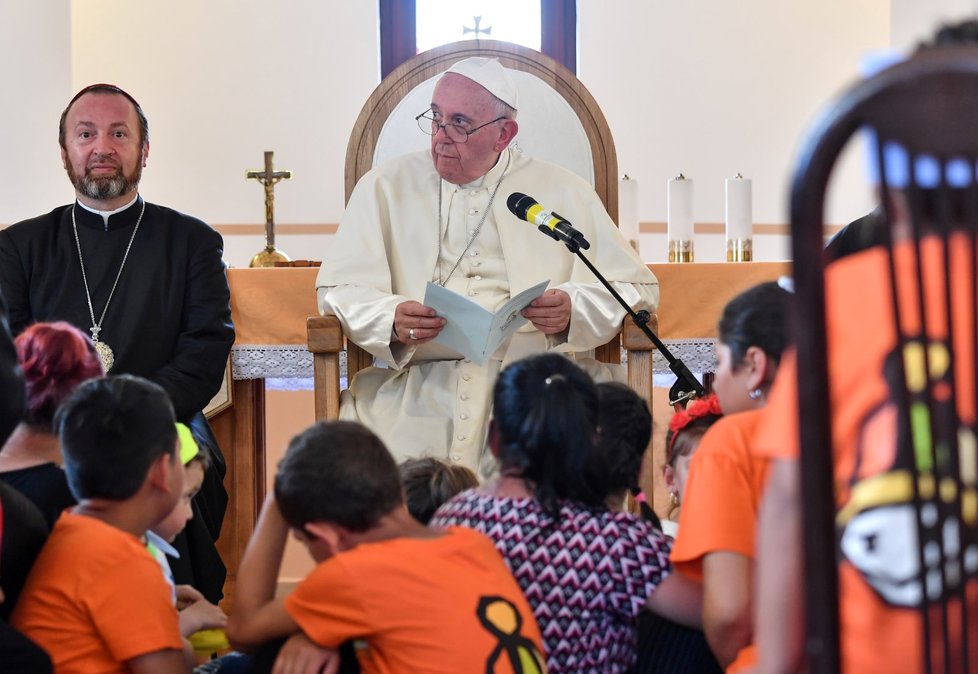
476, 30
268, 178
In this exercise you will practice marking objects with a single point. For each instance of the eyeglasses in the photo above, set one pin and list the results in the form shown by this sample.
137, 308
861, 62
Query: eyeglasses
455, 132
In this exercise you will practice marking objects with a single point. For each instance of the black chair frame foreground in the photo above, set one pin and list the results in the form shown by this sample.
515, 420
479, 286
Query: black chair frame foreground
928, 105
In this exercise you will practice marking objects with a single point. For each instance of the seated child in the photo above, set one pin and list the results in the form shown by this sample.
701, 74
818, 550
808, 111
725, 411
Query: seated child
686, 429
429, 482
195, 612
95, 599
624, 431
417, 599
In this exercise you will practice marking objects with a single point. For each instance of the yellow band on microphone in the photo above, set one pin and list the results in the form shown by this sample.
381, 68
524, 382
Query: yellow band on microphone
534, 212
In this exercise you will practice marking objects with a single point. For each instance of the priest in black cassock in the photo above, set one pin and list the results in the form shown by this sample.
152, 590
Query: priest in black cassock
148, 283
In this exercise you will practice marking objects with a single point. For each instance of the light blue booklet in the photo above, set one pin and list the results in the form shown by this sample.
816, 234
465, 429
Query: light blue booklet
473, 331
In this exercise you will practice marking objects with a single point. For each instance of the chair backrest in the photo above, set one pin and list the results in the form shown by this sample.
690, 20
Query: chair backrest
887, 345
559, 121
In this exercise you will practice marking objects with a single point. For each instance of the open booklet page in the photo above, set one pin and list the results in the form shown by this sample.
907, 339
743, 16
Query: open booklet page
473, 331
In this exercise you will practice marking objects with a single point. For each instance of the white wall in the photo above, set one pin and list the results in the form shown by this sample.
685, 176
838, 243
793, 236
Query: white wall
711, 89
224, 80
708, 88
35, 49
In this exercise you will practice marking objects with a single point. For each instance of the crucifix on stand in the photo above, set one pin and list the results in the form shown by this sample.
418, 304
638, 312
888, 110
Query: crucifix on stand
268, 178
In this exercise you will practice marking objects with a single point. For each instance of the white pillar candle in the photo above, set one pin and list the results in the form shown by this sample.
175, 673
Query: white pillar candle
628, 210
680, 209
739, 217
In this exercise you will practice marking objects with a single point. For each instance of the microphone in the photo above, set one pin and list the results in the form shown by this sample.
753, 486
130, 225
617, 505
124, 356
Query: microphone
552, 224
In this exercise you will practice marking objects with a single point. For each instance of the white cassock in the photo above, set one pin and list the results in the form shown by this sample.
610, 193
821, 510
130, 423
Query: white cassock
426, 400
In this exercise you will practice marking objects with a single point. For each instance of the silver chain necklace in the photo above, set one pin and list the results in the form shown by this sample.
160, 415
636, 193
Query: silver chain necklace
103, 350
478, 228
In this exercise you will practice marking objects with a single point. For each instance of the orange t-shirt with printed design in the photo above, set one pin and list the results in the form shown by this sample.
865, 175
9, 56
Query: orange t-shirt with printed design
881, 627
95, 598
447, 604
720, 504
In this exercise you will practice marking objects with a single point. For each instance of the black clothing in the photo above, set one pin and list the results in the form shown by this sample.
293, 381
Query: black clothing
858, 235
170, 316
45, 485
169, 321
23, 534
20, 655
12, 392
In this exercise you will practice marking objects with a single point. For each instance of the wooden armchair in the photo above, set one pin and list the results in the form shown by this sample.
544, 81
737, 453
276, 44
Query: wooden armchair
563, 110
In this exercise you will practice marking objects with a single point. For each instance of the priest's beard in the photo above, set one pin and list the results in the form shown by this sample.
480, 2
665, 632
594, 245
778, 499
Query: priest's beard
102, 188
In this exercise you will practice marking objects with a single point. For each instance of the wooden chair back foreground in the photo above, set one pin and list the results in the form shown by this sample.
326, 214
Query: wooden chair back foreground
903, 396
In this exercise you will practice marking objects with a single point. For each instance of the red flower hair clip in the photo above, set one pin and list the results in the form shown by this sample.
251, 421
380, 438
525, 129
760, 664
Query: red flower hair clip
697, 409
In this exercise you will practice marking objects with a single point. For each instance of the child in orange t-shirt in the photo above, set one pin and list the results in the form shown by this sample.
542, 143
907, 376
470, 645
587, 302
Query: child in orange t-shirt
95, 599
715, 543
414, 599
880, 599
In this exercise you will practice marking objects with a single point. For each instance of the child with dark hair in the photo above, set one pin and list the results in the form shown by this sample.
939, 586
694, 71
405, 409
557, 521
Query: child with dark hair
686, 429
95, 599
624, 431
429, 482
416, 599
586, 570
55, 358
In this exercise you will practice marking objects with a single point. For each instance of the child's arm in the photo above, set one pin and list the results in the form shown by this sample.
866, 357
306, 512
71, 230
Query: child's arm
727, 617
258, 616
679, 599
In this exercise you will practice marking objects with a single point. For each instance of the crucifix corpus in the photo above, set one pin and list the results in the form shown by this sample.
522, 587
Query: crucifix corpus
268, 177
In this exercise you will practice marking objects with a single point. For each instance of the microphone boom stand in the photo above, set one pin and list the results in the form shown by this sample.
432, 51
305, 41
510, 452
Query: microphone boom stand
686, 385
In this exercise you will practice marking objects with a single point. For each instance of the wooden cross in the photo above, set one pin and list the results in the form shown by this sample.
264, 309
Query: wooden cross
476, 30
269, 177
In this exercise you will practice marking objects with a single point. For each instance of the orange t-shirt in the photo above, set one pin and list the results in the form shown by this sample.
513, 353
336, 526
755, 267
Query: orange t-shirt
446, 604
720, 505
881, 623
95, 598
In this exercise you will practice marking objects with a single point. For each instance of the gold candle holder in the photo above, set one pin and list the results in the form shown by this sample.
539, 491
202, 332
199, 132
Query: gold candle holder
681, 251
740, 250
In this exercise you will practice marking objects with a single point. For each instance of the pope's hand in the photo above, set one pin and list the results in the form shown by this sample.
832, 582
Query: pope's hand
550, 313
414, 323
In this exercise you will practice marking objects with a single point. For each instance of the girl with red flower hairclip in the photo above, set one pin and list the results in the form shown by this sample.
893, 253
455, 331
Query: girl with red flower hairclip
715, 543
686, 428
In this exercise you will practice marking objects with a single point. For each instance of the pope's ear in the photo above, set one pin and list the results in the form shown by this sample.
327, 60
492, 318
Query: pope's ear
507, 132
145, 153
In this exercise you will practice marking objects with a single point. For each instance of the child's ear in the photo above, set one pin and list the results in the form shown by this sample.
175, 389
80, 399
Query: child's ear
327, 533
160, 473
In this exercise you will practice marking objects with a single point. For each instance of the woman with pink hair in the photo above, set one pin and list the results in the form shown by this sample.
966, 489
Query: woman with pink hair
55, 359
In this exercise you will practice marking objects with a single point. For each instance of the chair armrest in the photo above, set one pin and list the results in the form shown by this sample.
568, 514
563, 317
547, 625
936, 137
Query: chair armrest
324, 338
324, 334
632, 337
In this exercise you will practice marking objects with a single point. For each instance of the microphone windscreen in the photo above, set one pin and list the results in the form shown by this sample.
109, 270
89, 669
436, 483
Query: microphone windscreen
518, 203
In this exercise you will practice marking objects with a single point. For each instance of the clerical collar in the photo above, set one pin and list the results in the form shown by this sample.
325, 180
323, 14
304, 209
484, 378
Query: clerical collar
120, 218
